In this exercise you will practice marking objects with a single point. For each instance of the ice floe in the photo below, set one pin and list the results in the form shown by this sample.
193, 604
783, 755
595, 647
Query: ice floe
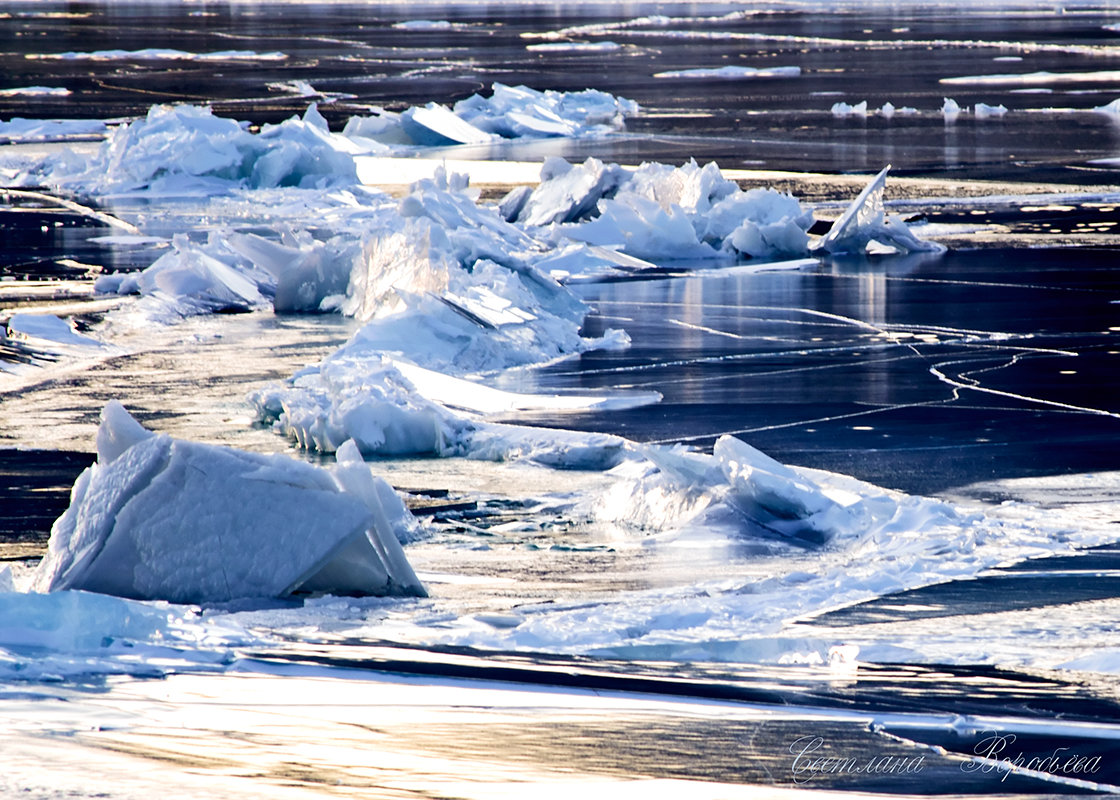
574, 47
985, 111
842, 109
19, 129
48, 328
35, 91
158, 518
159, 54
731, 72
1034, 78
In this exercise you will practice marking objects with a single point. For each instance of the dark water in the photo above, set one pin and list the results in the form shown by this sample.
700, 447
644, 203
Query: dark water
833, 366
880, 53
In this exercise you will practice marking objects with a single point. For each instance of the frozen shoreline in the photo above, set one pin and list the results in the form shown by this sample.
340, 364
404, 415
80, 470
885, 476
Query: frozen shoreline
601, 602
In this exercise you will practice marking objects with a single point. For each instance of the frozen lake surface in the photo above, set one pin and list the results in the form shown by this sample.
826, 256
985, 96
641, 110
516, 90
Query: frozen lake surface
582, 631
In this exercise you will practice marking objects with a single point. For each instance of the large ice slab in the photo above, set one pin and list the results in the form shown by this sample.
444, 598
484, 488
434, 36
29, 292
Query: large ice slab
158, 518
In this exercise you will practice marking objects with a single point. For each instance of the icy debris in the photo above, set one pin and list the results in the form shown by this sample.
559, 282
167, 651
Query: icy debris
1034, 78
158, 518
467, 231
389, 407
842, 109
780, 499
305, 271
738, 487
510, 112
985, 111
888, 110
659, 212
424, 25
643, 228
359, 395
580, 261
865, 222
77, 622
732, 72
568, 193
191, 279
187, 151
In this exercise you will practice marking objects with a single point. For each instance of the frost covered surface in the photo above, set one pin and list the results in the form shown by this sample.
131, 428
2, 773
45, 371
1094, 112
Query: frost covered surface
157, 518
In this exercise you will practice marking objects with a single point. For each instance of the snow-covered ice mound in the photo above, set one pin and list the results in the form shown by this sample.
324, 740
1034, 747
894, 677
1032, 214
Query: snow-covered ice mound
159, 518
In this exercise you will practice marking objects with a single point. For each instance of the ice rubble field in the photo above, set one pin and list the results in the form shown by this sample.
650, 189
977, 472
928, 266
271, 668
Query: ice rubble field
451, 293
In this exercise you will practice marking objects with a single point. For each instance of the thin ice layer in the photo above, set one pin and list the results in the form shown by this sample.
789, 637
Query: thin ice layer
158, 518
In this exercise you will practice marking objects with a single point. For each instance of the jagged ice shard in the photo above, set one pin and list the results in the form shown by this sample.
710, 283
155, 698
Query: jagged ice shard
163, 519
865, 222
